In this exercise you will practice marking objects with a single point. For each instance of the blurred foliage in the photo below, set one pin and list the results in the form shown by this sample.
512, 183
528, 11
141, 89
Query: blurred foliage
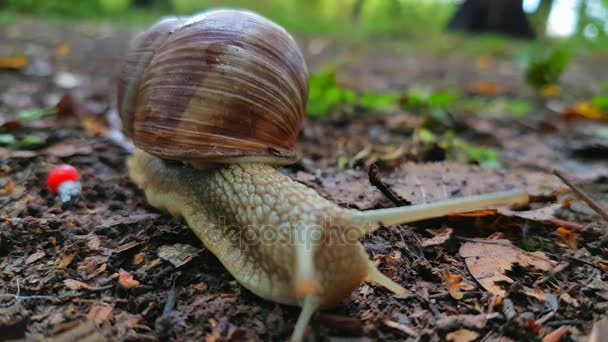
78, 8
545, 67
325, 95
459, 149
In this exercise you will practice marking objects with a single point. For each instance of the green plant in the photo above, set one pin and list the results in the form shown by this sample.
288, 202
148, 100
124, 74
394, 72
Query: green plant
546, 67
325, 94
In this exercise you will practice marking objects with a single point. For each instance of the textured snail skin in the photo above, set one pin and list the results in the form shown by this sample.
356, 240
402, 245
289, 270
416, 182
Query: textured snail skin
251, 217
278, 238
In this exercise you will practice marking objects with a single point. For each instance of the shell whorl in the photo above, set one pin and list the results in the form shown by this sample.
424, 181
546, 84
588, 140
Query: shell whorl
214, 88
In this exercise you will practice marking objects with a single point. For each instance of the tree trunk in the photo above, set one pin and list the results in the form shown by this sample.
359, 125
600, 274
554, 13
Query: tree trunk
499, 16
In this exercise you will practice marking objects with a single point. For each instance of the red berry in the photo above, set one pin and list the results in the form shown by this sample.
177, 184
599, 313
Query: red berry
59, 175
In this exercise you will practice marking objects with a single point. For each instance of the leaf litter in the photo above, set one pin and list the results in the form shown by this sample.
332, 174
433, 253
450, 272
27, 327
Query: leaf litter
103, 262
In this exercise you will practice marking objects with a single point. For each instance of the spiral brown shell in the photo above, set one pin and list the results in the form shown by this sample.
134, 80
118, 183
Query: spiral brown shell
215, 87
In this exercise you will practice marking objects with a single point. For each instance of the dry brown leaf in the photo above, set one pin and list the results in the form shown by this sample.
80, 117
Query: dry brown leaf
76, 285
125, 279
440, 237
63, 49
100, 313
585, 109
64, 260
550, 90
177, 254
453, 282
68, 149
200, 286
98, 271
34, 257
93, 242
138, 258
488, 260
7, 188
125, 247
462, 335
95, 124
487, 88
152, 264
535, 293
557, 334
13, 62
482, 62
569, 237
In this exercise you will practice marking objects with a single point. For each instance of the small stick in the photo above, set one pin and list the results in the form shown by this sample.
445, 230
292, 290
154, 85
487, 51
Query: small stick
582, 195
374, 178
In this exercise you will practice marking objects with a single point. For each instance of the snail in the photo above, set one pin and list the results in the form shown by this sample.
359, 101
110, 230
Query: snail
214, 104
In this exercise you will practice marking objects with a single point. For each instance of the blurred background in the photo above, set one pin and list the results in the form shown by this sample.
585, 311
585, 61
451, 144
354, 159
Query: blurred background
572, 19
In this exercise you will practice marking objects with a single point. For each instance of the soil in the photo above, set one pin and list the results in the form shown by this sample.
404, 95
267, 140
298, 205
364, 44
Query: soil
93, 271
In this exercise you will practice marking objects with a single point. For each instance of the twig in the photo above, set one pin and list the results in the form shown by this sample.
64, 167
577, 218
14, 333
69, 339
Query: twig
582, 195
374, 178
17, 297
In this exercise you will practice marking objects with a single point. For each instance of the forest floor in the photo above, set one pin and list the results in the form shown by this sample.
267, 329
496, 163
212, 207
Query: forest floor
101, 270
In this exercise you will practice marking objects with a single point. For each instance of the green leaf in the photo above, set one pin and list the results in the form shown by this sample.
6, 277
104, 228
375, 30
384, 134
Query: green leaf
31, 141
325, 94
381, 102
33, 114
600, 101
545, 68
485, 157
518, 107
442, 99
7, 139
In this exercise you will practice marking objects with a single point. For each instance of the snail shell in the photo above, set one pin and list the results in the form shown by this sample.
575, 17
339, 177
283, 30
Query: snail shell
225, 86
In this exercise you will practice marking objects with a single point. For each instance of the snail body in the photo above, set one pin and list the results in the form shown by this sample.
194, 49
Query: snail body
225, 94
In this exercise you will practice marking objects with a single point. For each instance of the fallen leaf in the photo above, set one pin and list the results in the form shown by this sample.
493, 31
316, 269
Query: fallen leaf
125, 247
557, 334
585, 109
138, 258
535, 293
177, 254
6, 188
34, 257
487, 88
462, 335
100, 313
63, 49
482, 62
16, 62
440, 236
489, 260
95, 124
453, 282
65, 260
200, 286
550, 90
125, 279
93, 242
569, 237
98, 271
76, 285
68, 149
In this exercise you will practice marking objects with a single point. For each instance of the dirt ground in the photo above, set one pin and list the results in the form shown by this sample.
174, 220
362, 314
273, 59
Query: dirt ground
95, 272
